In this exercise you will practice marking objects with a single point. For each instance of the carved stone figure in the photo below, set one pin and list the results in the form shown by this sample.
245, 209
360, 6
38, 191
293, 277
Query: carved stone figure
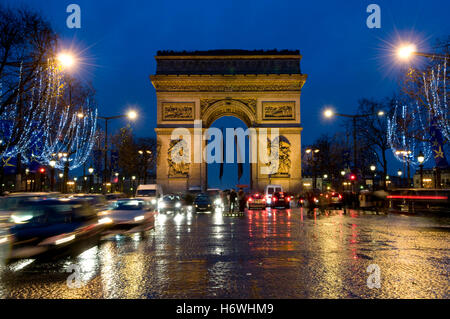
177, 158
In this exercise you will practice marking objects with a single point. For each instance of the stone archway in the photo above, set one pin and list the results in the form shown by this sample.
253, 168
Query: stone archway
260, 88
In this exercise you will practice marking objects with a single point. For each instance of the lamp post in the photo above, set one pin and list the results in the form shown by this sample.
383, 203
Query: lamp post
406, 51
372, 169
399, 173
91, 177
52, 164
330, 113
132, 115
312, 152
421, 159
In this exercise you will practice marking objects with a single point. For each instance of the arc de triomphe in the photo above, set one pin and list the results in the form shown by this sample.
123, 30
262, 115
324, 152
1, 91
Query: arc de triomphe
262, 88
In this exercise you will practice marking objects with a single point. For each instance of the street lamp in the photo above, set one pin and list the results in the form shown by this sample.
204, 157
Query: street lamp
399, 173
52, 164
132, 115
328, 113
406, 51
373, 168
313, 151
421, 159
66, 59
91, 177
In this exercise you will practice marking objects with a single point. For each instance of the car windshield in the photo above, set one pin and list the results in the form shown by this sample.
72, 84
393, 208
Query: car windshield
146, 192
202, 197
127, 205
170, 198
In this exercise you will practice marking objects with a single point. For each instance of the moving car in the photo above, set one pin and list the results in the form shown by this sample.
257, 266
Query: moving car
50, 226
149, 192
97, 201
256, 201
170, 203
280, 199
128, 216
269, 190
202, 203
13, 201
4, 245
216, 197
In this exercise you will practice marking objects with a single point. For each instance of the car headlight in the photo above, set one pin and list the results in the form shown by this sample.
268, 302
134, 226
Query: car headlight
3, 239
20, 219
105, 220
178, 205
218, 201
162, 205
196, 205
138, 218
153, 201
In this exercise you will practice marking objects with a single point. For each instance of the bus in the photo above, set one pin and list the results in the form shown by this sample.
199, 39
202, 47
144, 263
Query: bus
419, 200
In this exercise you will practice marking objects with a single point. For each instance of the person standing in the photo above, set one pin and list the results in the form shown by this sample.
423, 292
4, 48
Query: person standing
241, 197
233, 196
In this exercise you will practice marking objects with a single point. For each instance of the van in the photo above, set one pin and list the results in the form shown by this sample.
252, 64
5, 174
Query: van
150, 192
269, 190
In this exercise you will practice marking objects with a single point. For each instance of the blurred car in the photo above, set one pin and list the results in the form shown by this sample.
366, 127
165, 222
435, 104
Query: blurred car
97, 201
170, 203
280, 199
4, 245
128, 216
256, 201
50, 225
215, 195
202, 203
115, 196
11, 202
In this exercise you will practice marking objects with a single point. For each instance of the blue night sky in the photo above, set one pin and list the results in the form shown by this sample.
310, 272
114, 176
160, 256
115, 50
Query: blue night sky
343, 58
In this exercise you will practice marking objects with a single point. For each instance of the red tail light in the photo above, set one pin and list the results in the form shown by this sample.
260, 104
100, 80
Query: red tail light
288, 198
274, 199
250, 199
340, 196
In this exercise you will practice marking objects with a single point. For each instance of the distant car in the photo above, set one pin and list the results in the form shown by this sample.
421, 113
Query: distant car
333, 199
170, 204
128, 216
49, 225
202, 203
150, 192
280, 199
269, 190
216, 197
256, 201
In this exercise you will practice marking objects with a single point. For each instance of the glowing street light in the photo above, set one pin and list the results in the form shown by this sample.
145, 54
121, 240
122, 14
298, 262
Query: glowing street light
66, 60
405, 52
373, 168
91, 170
328, 113
132, 115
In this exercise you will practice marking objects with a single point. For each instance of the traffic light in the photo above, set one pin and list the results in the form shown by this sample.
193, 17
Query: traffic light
352, 177
42, 170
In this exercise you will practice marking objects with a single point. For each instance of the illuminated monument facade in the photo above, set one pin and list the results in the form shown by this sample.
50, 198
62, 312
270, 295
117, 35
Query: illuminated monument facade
261, 88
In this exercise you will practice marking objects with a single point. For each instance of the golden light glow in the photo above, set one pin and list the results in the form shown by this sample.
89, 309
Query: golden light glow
406, 51
328, 113
66, 60
132, 115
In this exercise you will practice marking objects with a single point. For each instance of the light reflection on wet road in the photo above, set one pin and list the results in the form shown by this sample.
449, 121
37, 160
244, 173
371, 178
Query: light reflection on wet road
278, 254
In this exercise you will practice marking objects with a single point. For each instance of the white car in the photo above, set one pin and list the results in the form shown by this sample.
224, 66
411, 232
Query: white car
128, 216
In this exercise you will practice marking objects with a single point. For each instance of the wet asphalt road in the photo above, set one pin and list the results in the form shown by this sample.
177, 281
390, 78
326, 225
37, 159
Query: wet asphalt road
278, 254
